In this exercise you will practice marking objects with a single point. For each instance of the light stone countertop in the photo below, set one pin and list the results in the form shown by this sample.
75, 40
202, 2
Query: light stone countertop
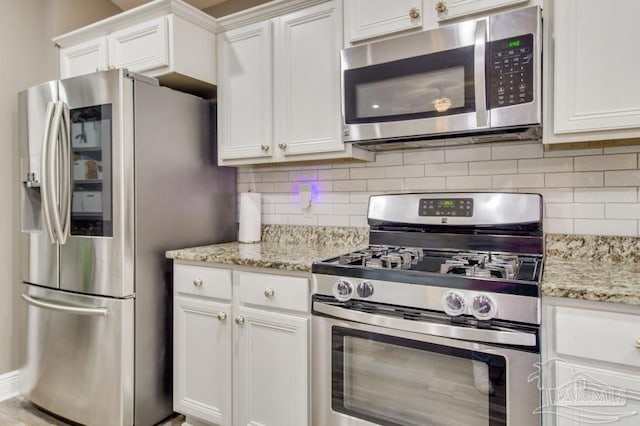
594, 268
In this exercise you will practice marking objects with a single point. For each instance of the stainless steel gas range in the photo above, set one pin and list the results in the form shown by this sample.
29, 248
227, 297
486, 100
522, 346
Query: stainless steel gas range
437, 321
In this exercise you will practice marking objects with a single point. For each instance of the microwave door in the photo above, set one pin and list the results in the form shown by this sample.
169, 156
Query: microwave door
97, 257
39, 161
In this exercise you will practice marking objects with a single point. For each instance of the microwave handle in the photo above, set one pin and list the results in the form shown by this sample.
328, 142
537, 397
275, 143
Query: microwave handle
479, 73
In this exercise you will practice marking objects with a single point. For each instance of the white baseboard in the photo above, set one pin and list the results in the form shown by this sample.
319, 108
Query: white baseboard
9, 385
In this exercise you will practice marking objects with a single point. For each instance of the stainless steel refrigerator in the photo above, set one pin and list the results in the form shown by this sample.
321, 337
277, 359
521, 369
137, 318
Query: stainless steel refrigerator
115, 170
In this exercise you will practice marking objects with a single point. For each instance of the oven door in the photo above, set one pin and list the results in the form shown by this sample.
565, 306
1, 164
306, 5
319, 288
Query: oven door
381, 372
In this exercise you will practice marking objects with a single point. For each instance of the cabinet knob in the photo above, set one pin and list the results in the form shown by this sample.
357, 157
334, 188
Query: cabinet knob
239, 320
282, 145
414, 13
269, 292
441, 6
265, 148
197, 282
222, 316
637, 345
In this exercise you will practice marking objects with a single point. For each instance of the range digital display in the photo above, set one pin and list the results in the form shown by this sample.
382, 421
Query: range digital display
446, 207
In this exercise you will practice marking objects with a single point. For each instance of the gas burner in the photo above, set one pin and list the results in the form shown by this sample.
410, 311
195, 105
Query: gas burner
386, 257
482, 265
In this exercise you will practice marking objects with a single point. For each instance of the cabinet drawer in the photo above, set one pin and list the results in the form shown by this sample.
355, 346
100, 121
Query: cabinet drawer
275, 291
202, 281
598, 335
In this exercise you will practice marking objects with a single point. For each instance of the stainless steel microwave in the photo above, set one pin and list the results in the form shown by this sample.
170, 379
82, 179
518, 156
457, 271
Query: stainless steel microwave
475, 81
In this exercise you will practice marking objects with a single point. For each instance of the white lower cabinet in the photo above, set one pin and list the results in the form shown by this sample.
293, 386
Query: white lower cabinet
241, 346
591, 361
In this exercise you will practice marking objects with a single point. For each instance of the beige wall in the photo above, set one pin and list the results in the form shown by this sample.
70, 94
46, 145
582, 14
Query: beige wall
29, 57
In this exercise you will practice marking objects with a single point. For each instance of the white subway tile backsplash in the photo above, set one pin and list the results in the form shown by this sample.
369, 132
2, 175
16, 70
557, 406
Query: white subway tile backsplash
606, 195
592, 191
606, 162
557, 226
517, 181
576, 179
333, 174
467, 154
447, 169
387, 159
606, 227
622, 178
545, 165
393, 185
623, 211
335, 220
425, 184
497, 167
349, 185
575, 210
404, 171
423, 157
516, 151
367, 173
468, 182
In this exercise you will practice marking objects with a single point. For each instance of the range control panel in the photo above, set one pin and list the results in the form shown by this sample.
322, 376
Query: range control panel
510, 70
446, 207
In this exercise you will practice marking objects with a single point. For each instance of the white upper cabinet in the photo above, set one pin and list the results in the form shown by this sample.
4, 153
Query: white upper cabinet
452, 9
592, 88
166, 39
367, 19
279, 88
245, 92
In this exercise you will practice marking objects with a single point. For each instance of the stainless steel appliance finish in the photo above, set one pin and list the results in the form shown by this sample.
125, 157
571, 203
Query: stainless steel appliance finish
437, 321
138, 166
475, 81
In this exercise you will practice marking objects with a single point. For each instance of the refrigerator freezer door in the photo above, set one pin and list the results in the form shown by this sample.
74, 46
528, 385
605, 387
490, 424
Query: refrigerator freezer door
98, 255
39, 254
80, 356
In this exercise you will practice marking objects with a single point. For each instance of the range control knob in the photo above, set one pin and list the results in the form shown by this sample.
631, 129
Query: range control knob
483, 307
453, 303
365, 289
343, 290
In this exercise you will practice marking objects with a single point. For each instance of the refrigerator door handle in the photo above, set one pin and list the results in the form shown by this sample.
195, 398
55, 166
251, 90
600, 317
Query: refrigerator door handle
45, 190
69, 309
54, 169
65, 151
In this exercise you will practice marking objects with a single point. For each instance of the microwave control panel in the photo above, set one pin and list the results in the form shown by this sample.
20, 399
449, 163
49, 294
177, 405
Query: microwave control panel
510, 71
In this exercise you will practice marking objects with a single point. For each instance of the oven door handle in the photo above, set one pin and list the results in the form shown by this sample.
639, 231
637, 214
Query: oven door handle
442, 330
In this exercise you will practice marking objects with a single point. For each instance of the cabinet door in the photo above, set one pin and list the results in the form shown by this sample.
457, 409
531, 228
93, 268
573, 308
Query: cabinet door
585, 396
202, 359
450, 9
364, 19
141, 47
245, 92
596, 86
84, 58
307, 81
272, 369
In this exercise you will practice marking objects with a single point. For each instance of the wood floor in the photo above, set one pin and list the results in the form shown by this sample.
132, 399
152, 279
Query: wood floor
18, 412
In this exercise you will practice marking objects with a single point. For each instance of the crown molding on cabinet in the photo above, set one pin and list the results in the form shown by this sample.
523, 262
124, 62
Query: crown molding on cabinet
263, 12
144, 12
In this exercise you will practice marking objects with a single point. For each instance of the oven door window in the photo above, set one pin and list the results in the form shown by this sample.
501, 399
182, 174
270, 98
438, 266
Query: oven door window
433, 85
394, 381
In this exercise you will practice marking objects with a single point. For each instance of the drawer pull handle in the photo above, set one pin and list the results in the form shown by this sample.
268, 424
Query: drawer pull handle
637, 345
269, 292
222, 316
239, 320
197, 282
414, 13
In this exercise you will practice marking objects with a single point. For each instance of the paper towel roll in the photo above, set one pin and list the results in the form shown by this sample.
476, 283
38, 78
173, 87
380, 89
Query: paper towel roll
250, 217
